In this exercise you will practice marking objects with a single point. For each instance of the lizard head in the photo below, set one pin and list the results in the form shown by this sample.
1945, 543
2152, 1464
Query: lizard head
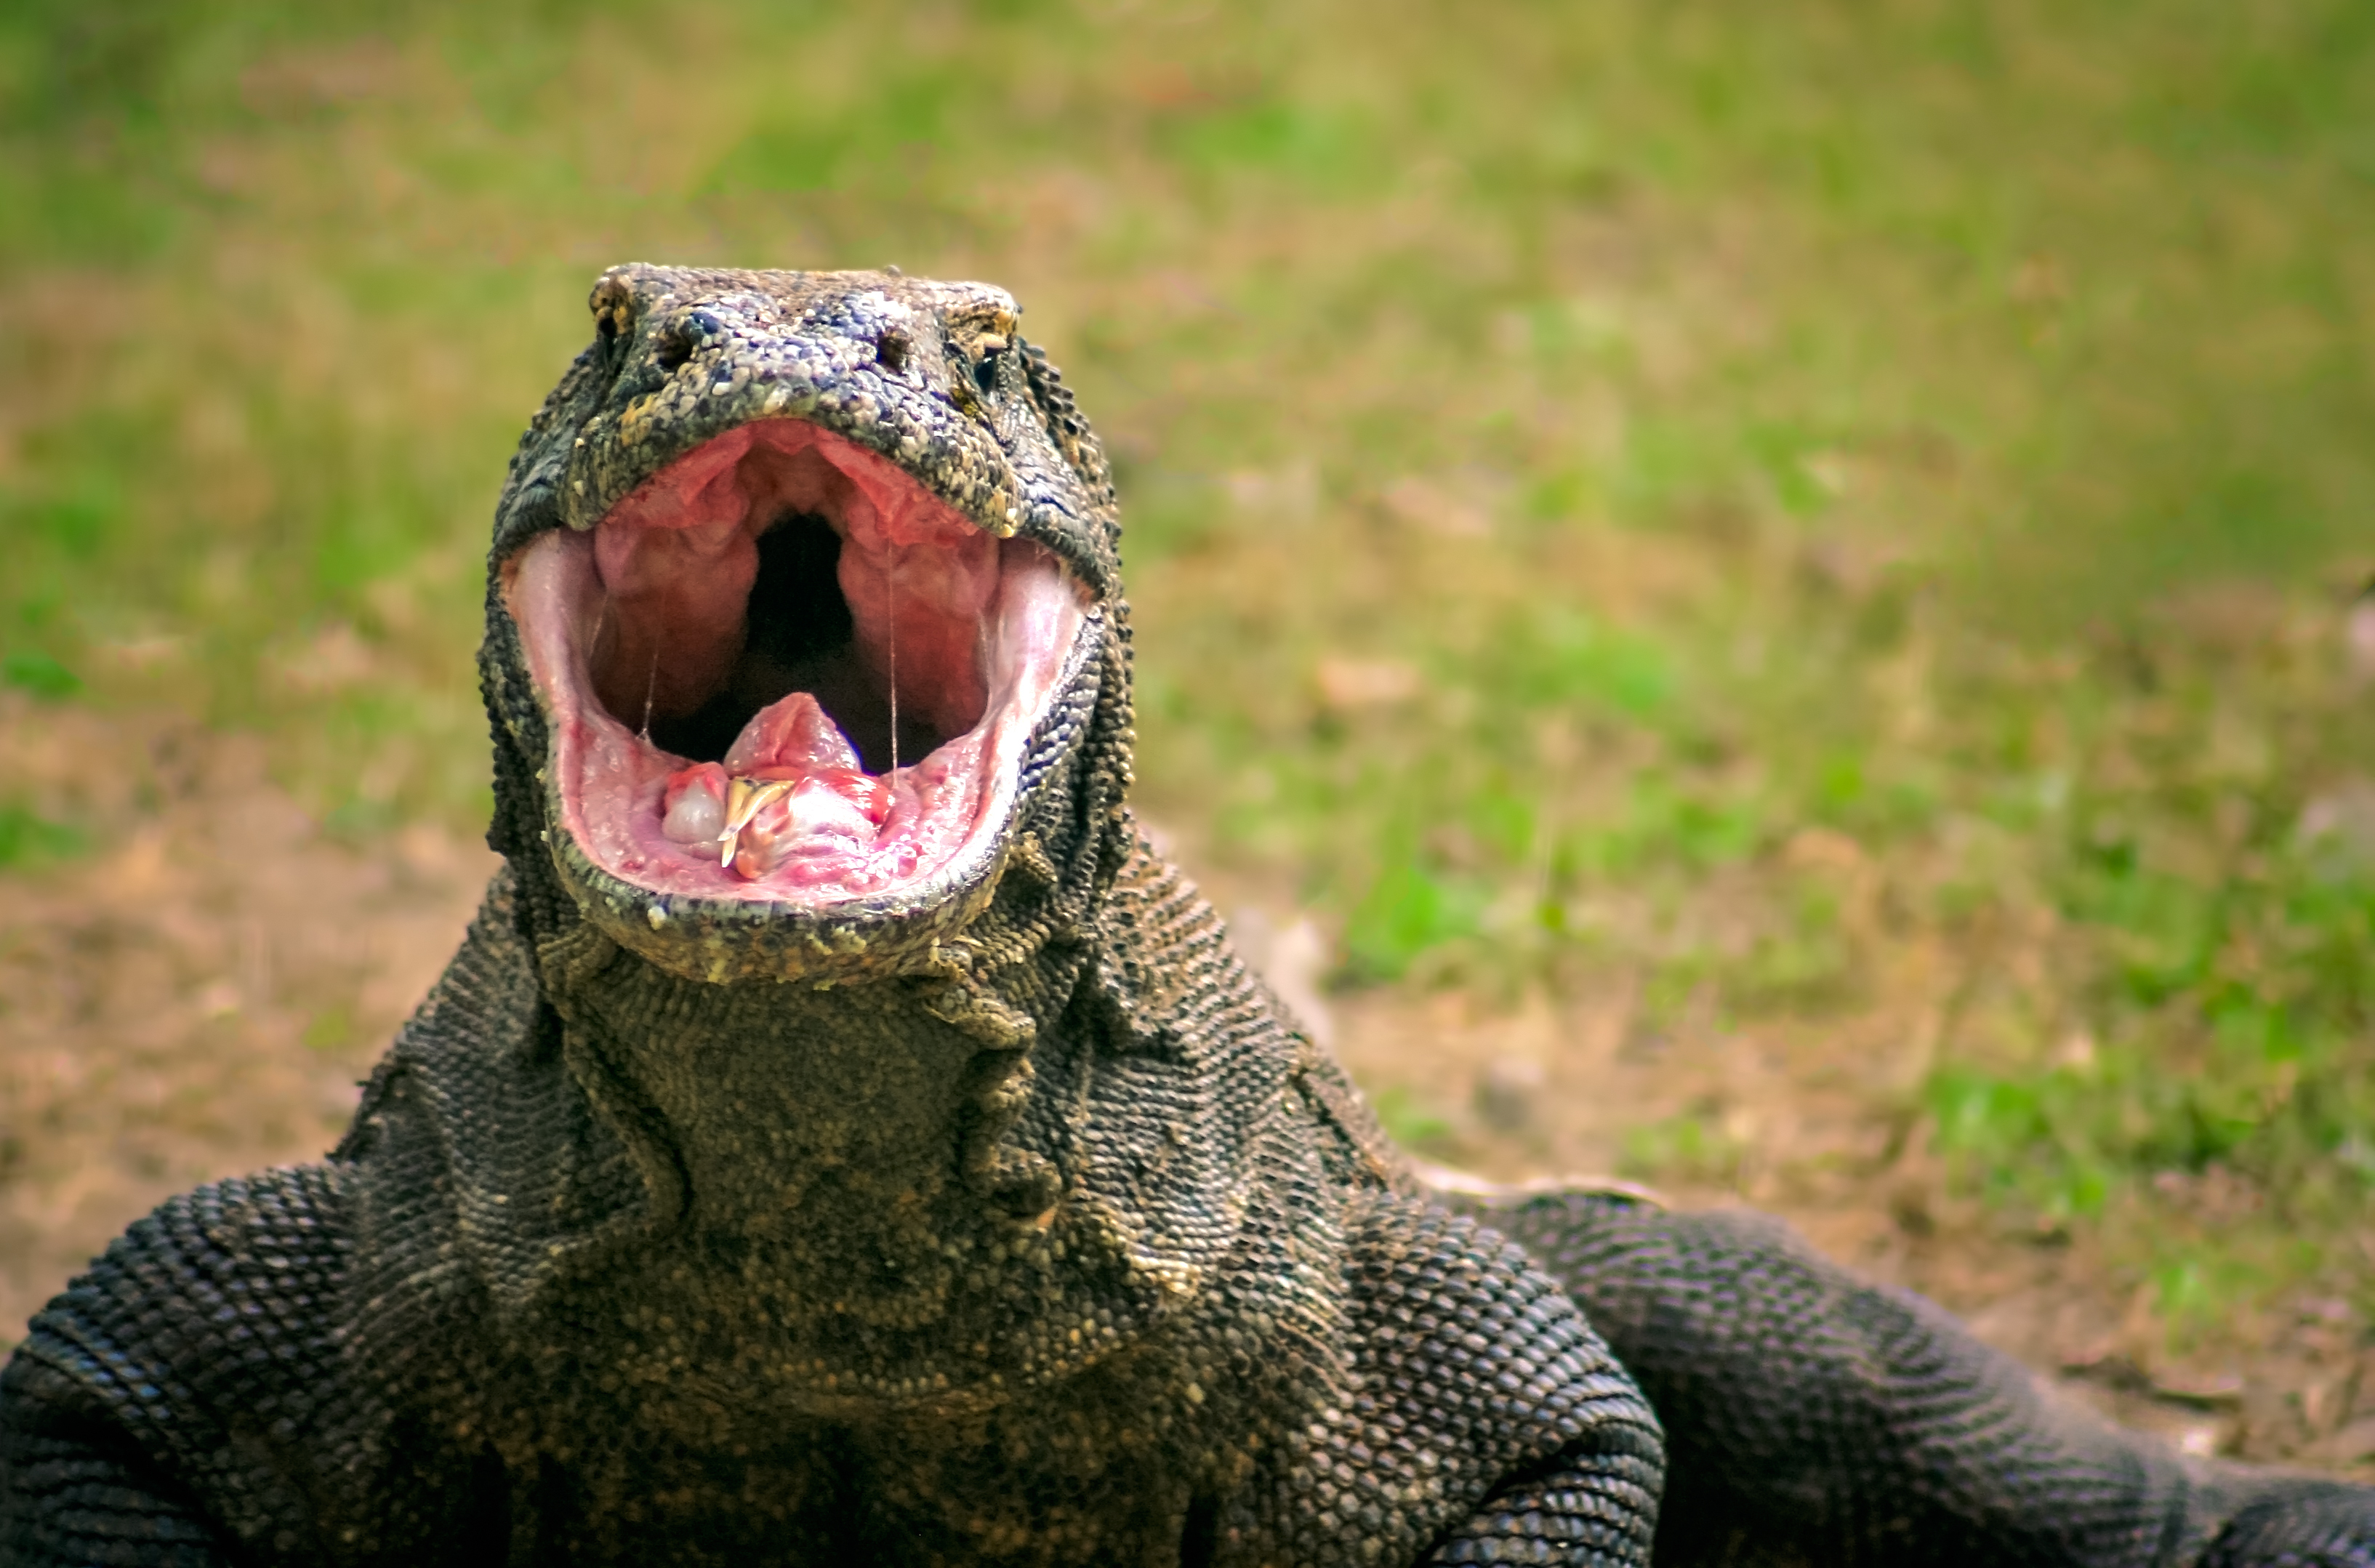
802, 607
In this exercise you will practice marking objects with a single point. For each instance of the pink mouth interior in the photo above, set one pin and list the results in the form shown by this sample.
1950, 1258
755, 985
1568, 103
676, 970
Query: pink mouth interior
724, 656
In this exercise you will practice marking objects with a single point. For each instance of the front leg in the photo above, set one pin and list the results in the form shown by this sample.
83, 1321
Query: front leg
1588, 1508
70, 1495
1812, 1417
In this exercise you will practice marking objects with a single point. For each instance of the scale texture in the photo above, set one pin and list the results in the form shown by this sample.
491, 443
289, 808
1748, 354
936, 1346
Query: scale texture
1007, 1220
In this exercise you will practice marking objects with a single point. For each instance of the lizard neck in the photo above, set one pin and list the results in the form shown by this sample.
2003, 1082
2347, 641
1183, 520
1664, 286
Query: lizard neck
844, 1127
866, 1190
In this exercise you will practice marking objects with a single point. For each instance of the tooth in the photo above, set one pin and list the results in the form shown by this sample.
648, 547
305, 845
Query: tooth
745, 798
748, 797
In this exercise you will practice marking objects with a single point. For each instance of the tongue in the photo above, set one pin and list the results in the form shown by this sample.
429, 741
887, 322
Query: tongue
790, 791
794, 734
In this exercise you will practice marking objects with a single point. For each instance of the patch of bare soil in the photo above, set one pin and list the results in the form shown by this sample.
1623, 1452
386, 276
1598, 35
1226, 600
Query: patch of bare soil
198, 996
202, 992
1811, 1123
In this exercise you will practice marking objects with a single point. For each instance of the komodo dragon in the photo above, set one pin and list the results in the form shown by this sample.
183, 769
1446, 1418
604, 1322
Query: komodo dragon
841, 1139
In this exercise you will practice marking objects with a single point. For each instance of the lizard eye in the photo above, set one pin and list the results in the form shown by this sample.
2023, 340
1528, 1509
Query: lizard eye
986, 352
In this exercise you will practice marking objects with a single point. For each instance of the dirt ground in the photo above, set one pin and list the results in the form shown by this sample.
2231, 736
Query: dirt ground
201, 994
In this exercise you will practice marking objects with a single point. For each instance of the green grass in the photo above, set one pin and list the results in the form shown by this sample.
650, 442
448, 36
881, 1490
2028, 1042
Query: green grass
29, 838
1830, 481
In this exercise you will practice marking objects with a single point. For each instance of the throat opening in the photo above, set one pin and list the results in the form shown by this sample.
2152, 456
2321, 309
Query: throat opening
767, 565
799, 636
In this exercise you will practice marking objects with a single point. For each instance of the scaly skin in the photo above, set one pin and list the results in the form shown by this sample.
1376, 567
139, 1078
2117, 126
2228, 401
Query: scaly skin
1000, 1217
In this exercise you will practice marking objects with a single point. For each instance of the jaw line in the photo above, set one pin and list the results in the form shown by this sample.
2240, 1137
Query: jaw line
605, 781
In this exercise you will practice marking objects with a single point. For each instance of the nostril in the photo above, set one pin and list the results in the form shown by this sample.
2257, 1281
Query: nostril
891, 349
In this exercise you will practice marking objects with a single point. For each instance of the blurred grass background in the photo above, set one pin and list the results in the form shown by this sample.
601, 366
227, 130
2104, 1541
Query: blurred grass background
1815, 509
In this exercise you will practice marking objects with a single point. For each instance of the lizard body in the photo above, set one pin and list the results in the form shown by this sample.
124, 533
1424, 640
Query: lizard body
841, 1137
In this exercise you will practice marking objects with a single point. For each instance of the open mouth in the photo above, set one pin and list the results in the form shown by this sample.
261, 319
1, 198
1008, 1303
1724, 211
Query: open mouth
783, 670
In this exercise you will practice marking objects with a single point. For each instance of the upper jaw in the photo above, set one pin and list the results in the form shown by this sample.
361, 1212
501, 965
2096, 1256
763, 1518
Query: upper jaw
927, 455
932, 376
